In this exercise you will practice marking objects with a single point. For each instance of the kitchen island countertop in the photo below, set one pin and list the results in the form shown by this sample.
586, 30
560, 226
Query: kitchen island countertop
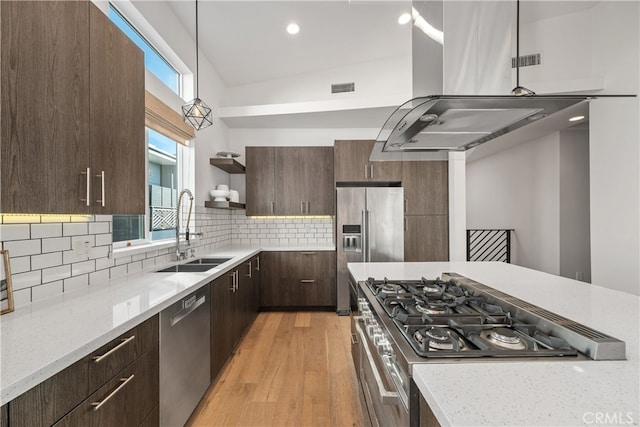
40, 339
533, 392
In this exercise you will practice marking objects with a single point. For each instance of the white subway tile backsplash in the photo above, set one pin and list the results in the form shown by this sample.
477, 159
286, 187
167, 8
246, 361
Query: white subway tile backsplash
56, 244
74, 229
45, 264
46, 260
21, 297
99, 277
26, 280
14, 232
103, 239
119, 271
98, 228
47, 290
23, 247
46, 230
79, 268
20, 264
75, 283
56, 273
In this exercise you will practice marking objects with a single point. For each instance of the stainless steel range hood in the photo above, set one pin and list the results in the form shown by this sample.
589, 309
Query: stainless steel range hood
442, 123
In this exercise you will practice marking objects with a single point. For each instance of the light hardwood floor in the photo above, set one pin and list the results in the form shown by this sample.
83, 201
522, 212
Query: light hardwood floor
291, 369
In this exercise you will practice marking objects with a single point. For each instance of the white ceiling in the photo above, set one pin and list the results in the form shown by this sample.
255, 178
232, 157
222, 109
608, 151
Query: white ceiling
247, 42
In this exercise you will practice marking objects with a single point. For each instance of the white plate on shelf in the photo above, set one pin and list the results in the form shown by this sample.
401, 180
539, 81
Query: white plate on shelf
227, 154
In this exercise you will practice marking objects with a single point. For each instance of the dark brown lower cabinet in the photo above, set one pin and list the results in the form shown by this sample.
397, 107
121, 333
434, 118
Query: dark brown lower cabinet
95, 377
426, 238
125, 400
298, 279
234, 307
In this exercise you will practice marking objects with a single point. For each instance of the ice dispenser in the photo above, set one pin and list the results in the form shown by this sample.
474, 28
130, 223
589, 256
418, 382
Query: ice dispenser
351, 238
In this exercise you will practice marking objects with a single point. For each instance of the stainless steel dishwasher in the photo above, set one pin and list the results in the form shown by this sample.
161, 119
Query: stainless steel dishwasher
184, 356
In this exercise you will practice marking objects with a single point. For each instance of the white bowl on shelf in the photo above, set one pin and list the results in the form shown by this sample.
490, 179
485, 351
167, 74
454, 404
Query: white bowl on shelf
222, 187
219, 195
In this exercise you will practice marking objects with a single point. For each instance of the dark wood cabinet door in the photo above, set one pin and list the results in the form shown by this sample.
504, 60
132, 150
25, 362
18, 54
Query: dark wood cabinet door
126, 400
222, 333
277, 280
255, 304
260, 175
319, 181
352, 163
317, 278
44, 143
351, 160
291, 180
426, 238
426, 187
117, 120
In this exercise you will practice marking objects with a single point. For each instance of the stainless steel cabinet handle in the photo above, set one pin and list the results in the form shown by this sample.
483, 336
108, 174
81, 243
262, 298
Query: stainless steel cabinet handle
307, 281
354, 339
123, 342
366, 171
302, 206
101, 176
405, 223
273, 206
308, 206
405, 204
307, 253
371, 174
233, 282
249, 275
365, 238
236, 276
97, 405
87, 173
387, 397
258, 263
190, 306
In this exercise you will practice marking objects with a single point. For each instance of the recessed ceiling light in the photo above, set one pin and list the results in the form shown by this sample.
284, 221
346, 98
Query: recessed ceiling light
293, 28
576, 118
405, 18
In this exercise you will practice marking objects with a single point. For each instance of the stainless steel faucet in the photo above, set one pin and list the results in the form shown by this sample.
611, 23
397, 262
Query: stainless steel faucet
180, 255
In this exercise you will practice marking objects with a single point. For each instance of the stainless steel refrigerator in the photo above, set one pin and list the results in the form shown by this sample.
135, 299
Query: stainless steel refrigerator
369, 228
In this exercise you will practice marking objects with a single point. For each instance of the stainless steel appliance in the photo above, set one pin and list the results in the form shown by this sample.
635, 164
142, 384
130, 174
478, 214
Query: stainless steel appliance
184, 356
369, 226
398, 324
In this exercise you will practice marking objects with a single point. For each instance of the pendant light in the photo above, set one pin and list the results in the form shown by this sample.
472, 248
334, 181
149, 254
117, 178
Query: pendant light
196, 112
519, 90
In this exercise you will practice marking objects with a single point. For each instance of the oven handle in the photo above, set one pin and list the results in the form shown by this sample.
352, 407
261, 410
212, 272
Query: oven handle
387, 397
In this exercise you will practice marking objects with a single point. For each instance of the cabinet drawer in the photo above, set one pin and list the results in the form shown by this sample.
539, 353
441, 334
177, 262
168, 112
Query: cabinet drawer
47, 402
109, 359
125, 400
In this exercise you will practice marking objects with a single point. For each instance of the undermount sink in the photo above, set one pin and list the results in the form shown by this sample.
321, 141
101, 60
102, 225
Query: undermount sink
214, 261
187, 268
195, 266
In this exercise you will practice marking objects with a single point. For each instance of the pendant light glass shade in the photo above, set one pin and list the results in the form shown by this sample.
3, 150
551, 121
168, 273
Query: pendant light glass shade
196, 112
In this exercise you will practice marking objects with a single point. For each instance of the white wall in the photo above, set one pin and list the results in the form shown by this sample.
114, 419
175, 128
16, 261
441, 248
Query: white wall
518, 188
575, 242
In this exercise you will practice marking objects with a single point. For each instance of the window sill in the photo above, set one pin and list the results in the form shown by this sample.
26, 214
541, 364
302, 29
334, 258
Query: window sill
140, 249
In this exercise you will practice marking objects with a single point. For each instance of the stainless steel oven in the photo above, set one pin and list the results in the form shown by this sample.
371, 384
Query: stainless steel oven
383, 381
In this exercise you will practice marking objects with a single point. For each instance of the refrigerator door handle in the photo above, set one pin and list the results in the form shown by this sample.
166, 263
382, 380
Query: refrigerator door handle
365, 236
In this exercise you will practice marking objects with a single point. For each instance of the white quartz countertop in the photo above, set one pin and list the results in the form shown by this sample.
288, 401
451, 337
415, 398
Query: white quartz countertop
40, 339
533, 392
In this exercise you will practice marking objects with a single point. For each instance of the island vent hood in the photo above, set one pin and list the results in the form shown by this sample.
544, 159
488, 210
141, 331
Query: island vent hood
429, 127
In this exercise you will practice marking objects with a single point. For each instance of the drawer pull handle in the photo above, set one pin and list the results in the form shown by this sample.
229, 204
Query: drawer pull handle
124, 381
307, 281
125, 341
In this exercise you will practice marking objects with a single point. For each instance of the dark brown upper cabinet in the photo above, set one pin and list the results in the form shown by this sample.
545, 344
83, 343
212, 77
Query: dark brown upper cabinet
426, 187
72, 98
352, 163
290, 181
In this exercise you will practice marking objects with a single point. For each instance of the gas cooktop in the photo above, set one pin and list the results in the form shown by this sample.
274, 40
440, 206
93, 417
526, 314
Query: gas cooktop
460, 318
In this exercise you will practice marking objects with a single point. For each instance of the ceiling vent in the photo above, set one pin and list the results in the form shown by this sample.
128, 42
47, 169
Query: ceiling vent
343, 87
527, 60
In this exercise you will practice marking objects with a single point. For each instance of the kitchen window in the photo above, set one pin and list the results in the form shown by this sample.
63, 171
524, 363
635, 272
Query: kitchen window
153, 60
